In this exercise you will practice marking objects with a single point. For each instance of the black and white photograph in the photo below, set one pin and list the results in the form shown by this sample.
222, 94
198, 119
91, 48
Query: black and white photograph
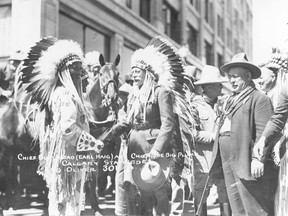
143, 107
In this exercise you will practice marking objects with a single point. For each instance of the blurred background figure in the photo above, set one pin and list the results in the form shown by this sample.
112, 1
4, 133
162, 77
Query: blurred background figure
7, 75
93, 64
267, 83
207, 107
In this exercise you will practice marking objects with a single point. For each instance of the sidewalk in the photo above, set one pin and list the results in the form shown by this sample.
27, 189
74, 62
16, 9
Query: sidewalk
33, 207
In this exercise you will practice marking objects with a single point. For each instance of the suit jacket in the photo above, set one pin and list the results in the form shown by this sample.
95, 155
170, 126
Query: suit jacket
159, 114
203, 138
248, 121
277, 122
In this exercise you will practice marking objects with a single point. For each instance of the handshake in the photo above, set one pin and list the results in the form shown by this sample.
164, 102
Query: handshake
87, 142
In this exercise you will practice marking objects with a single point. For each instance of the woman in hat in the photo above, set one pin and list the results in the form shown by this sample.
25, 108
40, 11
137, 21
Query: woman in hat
52, 75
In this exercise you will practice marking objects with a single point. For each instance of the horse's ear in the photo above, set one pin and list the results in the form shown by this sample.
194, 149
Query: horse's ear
117, 60
101, 60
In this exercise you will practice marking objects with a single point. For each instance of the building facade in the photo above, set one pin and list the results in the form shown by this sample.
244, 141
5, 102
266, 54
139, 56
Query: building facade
210, 31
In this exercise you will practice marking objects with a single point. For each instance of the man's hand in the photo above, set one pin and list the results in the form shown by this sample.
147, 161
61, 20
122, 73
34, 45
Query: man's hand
257, 168
259, 148
98, 146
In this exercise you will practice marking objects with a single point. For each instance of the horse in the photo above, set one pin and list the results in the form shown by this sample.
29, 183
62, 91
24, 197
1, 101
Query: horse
102, 95
17, 138
16, 150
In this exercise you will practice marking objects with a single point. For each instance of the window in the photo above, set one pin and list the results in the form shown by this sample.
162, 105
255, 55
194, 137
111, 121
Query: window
220, 26
247, 14
145, 9
228, 4
219, 60
5, 30
209, 54
89, 38
229, 39
236, 17
242, 35
70, 29
98, 41
196, 4
192, 40
209, 12
236, 46
128, 3
172, 25
126, 57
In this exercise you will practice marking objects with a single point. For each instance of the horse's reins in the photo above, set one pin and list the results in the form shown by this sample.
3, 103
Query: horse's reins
104, 89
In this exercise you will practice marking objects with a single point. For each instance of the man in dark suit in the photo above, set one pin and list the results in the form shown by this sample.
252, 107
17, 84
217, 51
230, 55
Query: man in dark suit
246, 112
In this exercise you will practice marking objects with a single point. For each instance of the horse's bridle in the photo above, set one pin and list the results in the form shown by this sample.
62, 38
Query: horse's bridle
104, 88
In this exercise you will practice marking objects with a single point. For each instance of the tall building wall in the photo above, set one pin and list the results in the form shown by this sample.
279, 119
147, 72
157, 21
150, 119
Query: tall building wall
211, 31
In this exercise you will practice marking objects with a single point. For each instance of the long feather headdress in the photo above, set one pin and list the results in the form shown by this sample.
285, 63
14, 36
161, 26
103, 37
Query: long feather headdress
161, 58
44, 63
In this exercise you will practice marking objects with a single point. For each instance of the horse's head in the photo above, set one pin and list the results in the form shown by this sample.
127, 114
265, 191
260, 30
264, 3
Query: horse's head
103, 91
109, 77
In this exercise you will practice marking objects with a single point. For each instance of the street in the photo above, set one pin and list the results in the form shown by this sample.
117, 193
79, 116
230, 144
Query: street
32, 206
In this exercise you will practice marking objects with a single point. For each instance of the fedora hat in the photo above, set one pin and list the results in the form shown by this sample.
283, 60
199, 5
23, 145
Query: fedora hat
210, 74
241, 60
151, 175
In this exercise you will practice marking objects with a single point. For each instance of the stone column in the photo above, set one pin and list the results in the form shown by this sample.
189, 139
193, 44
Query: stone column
31, 20
50, 18
116, 47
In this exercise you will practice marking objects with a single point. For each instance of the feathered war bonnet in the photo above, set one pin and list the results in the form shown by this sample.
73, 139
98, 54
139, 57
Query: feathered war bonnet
45, 63
162, 59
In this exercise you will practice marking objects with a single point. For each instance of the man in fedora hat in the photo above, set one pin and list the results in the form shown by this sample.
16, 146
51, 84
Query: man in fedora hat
206, 105
246, 112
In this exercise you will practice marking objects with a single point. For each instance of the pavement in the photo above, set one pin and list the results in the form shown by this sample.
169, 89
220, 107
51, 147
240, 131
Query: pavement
33, 206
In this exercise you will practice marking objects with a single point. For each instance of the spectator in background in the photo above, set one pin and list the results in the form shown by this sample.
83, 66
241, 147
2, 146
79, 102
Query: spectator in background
267, 84
7, 76
206, 105
93, 64
274, 132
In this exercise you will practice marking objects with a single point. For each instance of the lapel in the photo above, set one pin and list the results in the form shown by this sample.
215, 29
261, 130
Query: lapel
241, 104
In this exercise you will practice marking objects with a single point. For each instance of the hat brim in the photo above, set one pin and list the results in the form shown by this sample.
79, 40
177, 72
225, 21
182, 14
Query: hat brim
151, 186
201, 82
255, 71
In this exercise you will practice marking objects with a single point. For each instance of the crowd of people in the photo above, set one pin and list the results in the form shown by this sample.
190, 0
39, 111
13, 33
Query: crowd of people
173, 139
